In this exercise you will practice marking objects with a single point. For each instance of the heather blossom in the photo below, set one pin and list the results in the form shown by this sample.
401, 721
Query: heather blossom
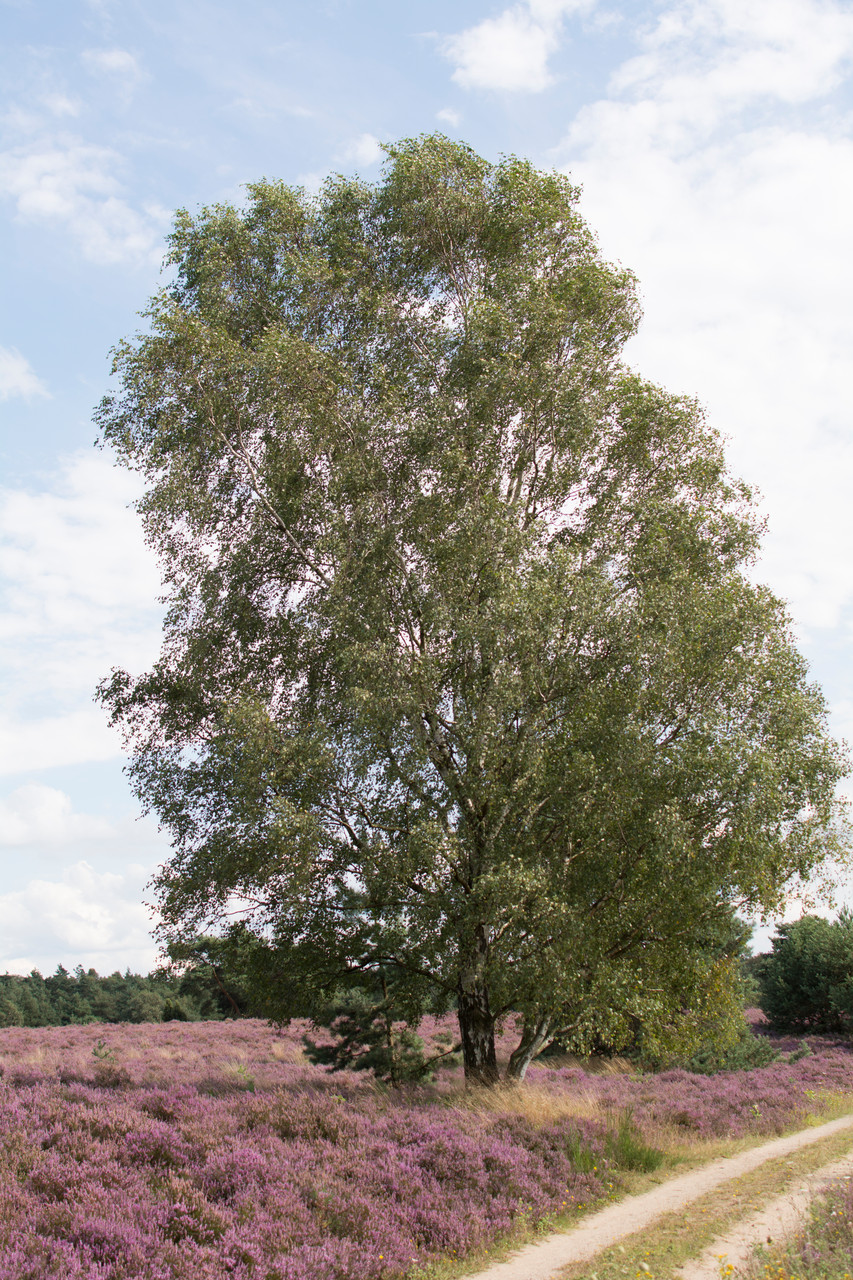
210, 1150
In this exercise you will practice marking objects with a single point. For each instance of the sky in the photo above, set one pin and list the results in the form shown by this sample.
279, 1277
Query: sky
713, 141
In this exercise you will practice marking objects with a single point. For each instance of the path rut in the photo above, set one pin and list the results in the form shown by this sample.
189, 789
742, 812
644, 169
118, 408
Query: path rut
775, 1223
546, 1258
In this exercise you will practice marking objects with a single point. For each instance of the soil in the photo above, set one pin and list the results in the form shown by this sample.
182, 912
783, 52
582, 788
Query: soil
545, 1259
777, 1222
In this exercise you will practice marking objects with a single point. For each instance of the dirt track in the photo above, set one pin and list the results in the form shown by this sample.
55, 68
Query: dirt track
776, 1222
545, 1259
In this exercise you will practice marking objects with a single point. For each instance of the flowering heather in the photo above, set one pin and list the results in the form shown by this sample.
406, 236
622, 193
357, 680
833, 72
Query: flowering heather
211, 1150
732, 1104
197, 1151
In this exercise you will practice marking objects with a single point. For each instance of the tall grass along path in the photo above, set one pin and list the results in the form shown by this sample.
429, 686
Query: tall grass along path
543, 1260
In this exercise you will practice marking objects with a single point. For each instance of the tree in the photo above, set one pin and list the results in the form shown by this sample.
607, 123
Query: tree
362, 1035
463, 673
215, 972
807, 980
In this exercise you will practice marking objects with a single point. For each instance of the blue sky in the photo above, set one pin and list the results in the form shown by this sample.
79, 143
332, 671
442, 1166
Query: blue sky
714, 143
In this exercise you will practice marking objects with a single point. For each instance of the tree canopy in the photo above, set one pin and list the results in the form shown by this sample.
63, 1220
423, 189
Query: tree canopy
807, 980
464, 681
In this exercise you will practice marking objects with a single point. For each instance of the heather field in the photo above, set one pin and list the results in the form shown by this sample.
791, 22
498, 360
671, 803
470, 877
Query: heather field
197, 1151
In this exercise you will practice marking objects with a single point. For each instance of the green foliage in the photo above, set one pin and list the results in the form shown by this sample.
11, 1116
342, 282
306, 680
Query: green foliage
807, 980
217, 969
627, 1149
751, 968
84, 996
367, 1037
743, 1054
175, 1011
464, 671
707, 1031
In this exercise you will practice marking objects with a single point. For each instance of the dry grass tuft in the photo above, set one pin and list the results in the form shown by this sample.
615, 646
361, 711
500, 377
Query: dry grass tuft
536, 1103
286, 1051
594, 1066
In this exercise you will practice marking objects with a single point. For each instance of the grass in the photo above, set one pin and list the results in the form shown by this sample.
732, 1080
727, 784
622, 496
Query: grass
658, 1252
821, 1250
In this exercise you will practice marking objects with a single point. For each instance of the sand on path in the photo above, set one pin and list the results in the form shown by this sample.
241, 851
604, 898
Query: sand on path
545, 1259
775, 1223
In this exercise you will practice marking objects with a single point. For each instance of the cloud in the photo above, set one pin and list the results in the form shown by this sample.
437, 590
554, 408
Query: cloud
111, 62
312, 182
708, 58
79, 592
720, 169
75, 734
116, 66
510, 51
72, 184
35, 814
85, 917
448, 116
59, 104
364, 150
16, 376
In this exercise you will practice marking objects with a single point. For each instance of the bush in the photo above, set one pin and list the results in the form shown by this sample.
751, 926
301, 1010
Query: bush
747, 1052
807, 981
175, 1011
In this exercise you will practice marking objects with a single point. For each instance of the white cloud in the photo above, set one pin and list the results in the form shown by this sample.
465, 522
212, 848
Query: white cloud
364, 150
448, 116
312, 182
83, 918
17, 377
35, 814
76, 734
72, 184
510, 51
117, 66
720, 173
79, 591
59, 104
709, 58
111, 62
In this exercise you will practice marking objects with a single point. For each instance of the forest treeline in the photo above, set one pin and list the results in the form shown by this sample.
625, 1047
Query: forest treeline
84, 996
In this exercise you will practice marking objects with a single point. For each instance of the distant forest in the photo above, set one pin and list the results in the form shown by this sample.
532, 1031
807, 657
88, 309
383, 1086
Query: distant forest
84, 996
212, 979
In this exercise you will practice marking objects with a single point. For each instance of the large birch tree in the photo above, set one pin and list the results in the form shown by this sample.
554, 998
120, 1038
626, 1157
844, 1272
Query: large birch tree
465, 677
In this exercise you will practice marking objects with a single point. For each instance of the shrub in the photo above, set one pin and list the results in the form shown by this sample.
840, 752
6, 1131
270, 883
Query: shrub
747, 1052
366, 1037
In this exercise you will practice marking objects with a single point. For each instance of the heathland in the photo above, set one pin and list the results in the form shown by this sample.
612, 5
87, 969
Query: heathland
197, 1151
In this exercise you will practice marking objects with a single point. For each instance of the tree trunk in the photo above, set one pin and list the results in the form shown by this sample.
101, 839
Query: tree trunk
477, 1032
238, 1013
535, 1036
476, 1021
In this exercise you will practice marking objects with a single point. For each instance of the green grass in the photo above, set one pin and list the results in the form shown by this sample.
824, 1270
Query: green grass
821, 1250
659, 1251
627, 1149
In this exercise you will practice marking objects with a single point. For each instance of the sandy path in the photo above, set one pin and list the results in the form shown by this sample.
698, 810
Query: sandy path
777, 1221
543, 1260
